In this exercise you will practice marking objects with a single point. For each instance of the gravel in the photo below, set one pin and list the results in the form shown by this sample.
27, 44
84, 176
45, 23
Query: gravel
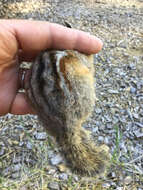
54, 186
117, 119
63, 176
57, 159
41, 136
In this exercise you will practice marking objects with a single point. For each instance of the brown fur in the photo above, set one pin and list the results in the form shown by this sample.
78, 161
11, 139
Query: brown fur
61, 90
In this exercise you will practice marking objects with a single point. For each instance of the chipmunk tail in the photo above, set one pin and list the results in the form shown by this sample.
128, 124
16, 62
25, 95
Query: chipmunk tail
83, 156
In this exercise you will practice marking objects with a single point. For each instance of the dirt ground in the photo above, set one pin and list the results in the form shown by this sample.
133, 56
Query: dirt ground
118, 116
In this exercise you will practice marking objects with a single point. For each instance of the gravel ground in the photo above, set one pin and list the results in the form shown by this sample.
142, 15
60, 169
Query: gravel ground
29, 158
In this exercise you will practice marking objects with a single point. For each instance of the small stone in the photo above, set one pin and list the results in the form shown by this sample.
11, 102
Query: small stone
16, 167
56, 160
63, 176
113, 91
132, 66
119, 188
123, 147
139, 124
107, 118
16, 160
41, 136
135, 115
23, 188
109, 126
50, 153
6, 171
97, 123
51, 171
30, 161
76, 178
122, 73
106, 140
129, 114
95, 129
98, 110
105, 185
54, 186
113, 174
2, 151
21, 143
138, 134
128, 180
113, 184
133, 90
101, 138
15, 175
29, 145
15, 142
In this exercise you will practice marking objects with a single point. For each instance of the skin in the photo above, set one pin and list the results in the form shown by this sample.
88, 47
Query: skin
22, 40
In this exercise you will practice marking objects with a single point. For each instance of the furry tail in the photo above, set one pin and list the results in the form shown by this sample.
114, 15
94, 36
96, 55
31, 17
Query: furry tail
83, 155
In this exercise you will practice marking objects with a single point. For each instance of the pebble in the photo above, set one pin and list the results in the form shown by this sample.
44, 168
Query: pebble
21, 143
2, 151
98, 110
50, 153
105, 185
54, 186
16, 167
113, 184
56, 160
76, 178
113, 174
63, 176
113, 91
95, 129
128, 180
136, 116
6, 171
29, 145
15, 175
107, 140
23, 188
132, 66
109, 126
41, 136
119, 188
51, 170
139, 124
123, 147
16, 160
133, 90
138, 134
101, 139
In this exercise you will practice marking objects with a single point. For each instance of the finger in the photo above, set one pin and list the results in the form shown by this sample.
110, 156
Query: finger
34, 36
21, 105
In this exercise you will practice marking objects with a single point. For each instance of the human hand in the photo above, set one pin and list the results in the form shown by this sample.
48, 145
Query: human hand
22, 40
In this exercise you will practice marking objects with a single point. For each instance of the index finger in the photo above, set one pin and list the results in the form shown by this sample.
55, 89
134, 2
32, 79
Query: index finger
34, 36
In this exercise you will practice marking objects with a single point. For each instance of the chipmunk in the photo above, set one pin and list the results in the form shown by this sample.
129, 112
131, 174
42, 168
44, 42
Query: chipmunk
61, 90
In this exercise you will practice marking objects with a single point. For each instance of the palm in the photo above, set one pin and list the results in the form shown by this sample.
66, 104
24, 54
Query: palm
8, 71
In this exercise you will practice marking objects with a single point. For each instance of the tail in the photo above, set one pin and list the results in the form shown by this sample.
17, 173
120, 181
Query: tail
83, 156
